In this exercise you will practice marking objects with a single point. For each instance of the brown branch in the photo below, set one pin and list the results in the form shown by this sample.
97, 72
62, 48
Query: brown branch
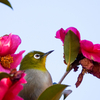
65, 74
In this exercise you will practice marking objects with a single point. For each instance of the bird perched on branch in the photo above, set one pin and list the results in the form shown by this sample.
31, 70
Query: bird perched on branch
38, 78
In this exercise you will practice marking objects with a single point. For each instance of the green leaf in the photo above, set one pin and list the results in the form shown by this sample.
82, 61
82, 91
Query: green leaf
4, 75
71, 48
6, 2
54, 92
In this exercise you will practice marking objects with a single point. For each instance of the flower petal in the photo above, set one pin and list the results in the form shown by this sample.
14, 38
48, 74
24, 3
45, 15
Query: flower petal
15, 42
9, 44
22, 80
86, 45
73, 29
17, 59
2, 69
90, 50
5, 83
15, 89
5, 43
60, 34
97, 47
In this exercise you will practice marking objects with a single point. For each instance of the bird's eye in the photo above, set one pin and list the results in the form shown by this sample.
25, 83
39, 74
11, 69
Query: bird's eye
37, 56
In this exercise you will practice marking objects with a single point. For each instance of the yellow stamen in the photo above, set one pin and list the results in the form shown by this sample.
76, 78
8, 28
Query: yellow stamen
6, 61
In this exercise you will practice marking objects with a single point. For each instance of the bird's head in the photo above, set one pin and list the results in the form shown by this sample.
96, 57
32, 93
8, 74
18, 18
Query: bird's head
34, 60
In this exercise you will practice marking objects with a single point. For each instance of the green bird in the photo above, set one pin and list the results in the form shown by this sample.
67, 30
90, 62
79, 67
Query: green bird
38, 77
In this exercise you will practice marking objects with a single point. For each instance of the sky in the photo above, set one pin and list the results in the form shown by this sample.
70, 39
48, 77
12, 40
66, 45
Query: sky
36, 22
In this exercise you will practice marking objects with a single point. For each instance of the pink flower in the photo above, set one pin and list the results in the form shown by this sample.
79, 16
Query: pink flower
8, 46
91, 62
60, 34
90, 50
9, 89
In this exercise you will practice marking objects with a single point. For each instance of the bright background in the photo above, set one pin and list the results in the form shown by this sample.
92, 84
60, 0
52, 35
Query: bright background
36, 22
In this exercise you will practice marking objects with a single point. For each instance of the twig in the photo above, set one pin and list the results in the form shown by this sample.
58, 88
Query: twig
70, 67
65, 74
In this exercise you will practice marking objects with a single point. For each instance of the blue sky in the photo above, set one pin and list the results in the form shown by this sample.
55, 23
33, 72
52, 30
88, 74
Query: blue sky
36, 22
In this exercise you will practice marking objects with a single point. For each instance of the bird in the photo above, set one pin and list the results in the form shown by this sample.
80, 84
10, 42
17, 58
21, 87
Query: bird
37, 76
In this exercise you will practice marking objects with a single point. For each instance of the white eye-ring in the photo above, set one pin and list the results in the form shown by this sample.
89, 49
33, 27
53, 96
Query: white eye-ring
37, 56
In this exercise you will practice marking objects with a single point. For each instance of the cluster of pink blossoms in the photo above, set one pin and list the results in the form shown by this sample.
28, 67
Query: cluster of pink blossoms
10, 86
90, 54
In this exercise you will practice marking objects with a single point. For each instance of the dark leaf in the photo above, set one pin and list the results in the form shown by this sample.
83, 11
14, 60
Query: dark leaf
71, 48
54, 92
6, 2
4, 75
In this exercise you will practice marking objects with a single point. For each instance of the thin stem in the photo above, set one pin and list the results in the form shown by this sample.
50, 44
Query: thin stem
69, 68
65, 74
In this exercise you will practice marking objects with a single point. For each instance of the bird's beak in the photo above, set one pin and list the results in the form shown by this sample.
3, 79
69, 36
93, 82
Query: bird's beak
47, 53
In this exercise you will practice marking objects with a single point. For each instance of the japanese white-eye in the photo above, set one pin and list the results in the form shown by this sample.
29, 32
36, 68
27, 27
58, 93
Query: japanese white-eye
38, 77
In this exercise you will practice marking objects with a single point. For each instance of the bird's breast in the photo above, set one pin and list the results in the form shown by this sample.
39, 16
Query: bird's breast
37, 82
38, 78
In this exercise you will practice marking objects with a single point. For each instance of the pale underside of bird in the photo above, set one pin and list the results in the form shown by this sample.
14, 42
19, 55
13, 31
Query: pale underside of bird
36, 84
